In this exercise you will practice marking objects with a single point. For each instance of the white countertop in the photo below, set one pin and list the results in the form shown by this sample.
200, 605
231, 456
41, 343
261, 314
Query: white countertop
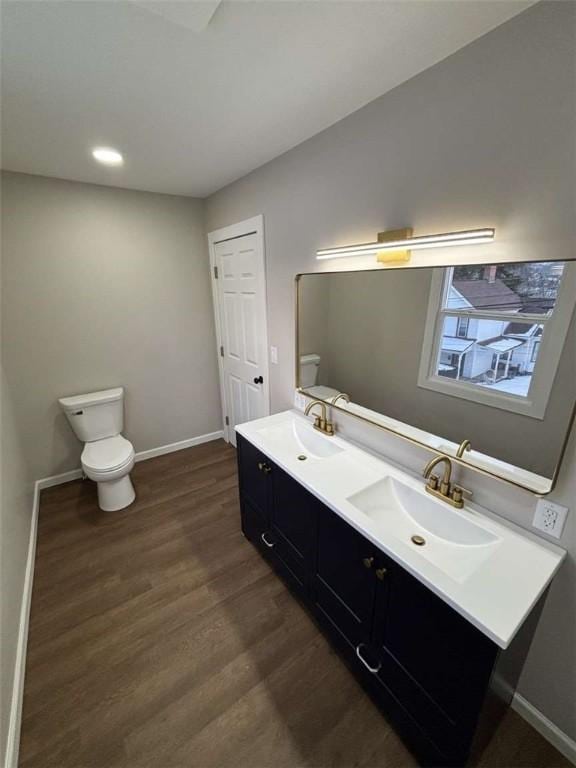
502, 587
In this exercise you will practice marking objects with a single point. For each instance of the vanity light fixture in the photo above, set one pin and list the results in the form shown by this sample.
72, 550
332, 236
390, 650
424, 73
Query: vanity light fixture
396, 244
107, 156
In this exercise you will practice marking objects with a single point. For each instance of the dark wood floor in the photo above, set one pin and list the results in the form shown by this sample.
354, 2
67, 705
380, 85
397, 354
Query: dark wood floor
159, 638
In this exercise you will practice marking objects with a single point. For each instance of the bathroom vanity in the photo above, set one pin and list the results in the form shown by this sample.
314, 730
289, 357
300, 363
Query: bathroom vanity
432, 608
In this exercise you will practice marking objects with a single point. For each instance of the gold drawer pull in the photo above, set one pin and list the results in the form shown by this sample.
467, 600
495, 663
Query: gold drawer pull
368, 562
381, 573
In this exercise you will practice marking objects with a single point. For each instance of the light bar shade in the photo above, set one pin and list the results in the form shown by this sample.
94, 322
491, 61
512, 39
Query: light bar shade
467, 237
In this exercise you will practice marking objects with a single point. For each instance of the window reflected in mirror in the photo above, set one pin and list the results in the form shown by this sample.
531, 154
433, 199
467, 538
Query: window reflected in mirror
439, 355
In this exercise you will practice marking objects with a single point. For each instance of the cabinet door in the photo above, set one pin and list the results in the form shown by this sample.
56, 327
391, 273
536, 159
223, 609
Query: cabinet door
344, 582
254, 471
293, 517
432, 659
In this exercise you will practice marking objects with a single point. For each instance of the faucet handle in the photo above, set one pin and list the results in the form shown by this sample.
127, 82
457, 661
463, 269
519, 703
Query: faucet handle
458, 494
433, 482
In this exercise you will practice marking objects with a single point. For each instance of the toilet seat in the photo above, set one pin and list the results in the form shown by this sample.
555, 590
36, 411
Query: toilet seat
107, 456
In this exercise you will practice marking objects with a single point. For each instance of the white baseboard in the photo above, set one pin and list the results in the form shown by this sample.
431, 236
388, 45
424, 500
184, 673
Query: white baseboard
65, 477
180, 446
75, 474
13, 737
546, 728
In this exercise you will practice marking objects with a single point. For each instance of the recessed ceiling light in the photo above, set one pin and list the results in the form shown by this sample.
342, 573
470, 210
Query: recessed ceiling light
107, 156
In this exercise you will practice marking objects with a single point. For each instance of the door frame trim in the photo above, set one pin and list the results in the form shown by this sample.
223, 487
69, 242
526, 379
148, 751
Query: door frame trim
252, 226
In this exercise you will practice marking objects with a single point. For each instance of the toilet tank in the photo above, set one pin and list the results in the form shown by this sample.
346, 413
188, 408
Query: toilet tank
96, 415
309, 365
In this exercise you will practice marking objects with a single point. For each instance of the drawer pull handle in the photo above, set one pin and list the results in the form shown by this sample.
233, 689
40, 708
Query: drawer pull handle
368, 562
374, 670
263, 467
381, 573
265, 540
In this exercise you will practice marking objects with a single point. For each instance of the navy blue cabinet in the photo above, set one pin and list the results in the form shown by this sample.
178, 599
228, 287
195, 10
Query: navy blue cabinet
344, 584
425, 665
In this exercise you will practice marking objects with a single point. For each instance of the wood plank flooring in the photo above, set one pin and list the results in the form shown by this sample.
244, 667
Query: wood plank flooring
160, 639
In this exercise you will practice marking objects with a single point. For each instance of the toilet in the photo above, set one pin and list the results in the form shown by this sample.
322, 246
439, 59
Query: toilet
108, 458
309, 366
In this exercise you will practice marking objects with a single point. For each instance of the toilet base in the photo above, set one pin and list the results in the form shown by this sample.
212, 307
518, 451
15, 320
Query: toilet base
115, 494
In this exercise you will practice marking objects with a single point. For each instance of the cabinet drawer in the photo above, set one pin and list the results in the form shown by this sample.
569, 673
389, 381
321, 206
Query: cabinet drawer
253, 523
348, 623
452, 738
274, 549
289, 566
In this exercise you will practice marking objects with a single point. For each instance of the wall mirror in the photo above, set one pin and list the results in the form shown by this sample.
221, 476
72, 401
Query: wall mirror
442, 355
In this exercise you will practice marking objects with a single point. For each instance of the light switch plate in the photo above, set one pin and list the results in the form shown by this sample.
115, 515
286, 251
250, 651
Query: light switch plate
274, 355
550, 517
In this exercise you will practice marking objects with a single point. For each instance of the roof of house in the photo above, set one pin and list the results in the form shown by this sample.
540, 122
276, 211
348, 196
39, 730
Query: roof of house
520, 329
501, 344
483, 294
456, 344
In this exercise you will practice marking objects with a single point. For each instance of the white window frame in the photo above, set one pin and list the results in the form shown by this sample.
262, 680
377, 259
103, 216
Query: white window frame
551, 344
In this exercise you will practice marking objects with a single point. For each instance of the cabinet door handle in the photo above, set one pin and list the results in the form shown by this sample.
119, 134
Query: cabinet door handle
265, 540
264, 467
374, 670
381, 573
368, 562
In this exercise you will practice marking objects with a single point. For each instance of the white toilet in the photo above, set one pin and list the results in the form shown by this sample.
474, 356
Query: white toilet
97, 420
309, 366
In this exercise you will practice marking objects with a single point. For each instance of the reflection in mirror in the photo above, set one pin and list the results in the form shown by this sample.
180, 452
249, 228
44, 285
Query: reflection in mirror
485, 353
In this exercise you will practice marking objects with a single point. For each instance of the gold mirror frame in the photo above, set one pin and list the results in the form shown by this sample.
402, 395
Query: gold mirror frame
454, 459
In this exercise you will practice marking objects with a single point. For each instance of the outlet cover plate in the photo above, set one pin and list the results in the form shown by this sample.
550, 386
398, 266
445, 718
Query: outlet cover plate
299, 400
550, 517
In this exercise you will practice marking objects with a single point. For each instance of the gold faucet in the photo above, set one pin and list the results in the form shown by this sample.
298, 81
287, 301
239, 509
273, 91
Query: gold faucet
341, 396
444, 489
465, 445
321, 422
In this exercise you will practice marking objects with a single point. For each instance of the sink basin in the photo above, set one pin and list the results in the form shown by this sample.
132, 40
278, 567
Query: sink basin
301, 439
453, 541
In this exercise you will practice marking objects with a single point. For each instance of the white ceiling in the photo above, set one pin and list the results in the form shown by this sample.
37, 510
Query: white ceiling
196, 100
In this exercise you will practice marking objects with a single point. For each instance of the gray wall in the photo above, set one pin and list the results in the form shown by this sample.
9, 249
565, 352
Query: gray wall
485, 138
376, 358
16, 483
105, 287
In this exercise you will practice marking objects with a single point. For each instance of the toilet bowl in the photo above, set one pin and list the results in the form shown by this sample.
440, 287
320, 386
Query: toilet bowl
108, 457
109, 462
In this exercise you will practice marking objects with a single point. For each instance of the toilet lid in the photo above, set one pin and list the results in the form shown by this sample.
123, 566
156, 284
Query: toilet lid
108, 454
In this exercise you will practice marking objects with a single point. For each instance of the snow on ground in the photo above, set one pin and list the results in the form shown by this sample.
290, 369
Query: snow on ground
517, 386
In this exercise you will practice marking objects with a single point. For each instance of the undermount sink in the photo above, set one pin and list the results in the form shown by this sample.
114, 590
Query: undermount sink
445, 536
302, 440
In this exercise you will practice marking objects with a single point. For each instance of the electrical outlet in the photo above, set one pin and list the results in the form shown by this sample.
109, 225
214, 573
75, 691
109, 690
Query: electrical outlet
550, 517
299, 400
274, 355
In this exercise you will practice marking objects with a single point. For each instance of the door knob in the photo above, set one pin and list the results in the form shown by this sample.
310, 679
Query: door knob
259, 380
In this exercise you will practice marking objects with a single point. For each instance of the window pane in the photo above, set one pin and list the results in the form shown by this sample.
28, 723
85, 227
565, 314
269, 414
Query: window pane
529, 288
496, 354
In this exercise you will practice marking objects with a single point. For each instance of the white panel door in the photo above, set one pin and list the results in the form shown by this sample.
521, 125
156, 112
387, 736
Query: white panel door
241, 291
